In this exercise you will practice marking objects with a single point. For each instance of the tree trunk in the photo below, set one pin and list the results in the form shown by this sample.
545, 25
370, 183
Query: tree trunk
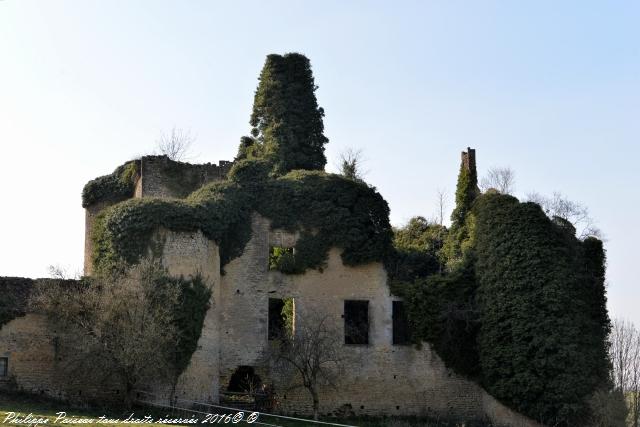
128, 396
636, 407
316, 403
174, 385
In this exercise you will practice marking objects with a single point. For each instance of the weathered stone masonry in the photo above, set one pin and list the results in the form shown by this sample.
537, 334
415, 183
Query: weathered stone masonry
382, 378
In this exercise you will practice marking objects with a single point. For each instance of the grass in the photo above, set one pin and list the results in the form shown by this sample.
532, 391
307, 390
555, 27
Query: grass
44, 412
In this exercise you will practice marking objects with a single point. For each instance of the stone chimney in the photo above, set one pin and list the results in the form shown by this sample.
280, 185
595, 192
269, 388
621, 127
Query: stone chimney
469, 159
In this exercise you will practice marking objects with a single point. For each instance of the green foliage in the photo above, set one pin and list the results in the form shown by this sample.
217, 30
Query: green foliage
287, 316
118, 186
417, 250
249, 148
542, 339
281, 258
15, 293
250, 172
122, 233
287, 122
522, 306
442, 310
466, 193
183, 178
421, 235
328, 210
457, 241
189, 314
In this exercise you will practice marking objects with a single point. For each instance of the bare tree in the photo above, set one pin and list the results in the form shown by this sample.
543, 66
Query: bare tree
314, 352
62, 273
441, 200
625, 358
576, 213
176, 145
607, 409
351, 162
501, 179
117, 330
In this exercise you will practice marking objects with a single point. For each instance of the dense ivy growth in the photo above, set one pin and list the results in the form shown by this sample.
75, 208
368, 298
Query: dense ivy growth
441, 306
544, 324
15, 293
328, 210
506, 295
466, 192
189, 314
183, 178
417, 249
442, 310
115, 187
523, 308
287, 122
122, 233
520, 303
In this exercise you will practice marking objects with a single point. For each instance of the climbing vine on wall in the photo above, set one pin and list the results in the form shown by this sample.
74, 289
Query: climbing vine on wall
189, 314
523, 310
329, 210
543, 311
115, 187
15, 293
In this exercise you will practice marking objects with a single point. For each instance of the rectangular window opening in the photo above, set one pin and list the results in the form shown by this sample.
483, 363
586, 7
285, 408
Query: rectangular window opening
4, 366
279, 257
356, 322
281, 314
400, 324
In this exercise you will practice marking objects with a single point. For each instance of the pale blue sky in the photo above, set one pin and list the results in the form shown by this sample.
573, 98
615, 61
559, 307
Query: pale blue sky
551, 89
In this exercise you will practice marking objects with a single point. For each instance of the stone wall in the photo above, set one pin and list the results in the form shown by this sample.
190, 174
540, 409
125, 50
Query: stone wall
34, 347
380, 378
188, 254
36, 363
90, 214
14, 296
165, 178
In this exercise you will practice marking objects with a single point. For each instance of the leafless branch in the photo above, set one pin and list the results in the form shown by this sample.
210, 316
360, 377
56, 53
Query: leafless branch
313, 352
501, 179
576, 213
176, 145
350, 164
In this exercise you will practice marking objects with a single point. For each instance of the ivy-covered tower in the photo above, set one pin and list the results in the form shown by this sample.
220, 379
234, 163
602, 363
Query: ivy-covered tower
467, 188
287, 126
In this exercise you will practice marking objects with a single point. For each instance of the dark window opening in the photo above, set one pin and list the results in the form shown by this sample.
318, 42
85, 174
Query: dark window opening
356, 322
244, 380
400, 324
4, 366
280, 257
280, 318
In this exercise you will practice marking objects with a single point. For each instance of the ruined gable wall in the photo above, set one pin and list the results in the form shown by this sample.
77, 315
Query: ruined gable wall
381, 379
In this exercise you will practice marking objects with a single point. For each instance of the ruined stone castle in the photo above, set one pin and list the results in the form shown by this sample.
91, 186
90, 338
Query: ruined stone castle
387, 377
